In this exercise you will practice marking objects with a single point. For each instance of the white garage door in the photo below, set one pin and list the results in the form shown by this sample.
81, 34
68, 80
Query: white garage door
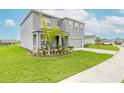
77, 43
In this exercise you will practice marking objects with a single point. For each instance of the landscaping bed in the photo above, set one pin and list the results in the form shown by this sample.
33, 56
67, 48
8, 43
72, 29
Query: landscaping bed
52, 52
16, 65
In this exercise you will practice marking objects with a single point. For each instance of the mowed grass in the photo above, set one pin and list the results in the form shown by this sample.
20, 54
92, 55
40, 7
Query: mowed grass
16, 65
122, 81
105, 47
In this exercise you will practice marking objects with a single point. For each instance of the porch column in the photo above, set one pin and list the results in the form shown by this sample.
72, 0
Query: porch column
37, 40
60, 41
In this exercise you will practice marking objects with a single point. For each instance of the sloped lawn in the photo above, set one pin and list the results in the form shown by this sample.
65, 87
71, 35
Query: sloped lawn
105, 47
16, 65
122, 81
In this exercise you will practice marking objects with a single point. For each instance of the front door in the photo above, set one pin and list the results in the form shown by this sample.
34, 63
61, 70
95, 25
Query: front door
34, 42
57, 41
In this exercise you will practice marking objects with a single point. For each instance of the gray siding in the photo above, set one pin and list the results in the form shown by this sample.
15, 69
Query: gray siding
36, 21
74, 29
65, 25
51, 20
76, 36
26, 33
76, 42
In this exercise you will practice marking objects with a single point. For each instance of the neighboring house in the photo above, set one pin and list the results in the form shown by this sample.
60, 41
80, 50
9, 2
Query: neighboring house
90, 39
119, 41
32, 36
107, 41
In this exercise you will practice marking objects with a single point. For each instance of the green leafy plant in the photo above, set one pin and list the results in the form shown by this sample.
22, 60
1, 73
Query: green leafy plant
87, 45
49, 34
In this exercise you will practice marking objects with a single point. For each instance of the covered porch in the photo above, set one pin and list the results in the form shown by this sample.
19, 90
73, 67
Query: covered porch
39, 41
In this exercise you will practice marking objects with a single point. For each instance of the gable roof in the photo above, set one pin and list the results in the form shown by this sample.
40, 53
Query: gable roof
46, 14
34, 11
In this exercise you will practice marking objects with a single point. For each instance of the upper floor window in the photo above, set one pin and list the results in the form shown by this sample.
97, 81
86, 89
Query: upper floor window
48, 20
82, 29
76, 28
70, 25
58, 23
48, 24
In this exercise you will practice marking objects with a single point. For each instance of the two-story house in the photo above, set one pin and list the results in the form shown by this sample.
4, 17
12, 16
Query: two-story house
32, 36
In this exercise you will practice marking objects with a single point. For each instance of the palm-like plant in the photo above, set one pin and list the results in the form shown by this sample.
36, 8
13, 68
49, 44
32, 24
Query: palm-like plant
54, 32
49, 34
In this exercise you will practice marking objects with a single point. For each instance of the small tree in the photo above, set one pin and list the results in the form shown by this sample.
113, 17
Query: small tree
55, 31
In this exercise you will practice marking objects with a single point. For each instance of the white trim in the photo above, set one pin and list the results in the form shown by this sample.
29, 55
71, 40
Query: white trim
75, 38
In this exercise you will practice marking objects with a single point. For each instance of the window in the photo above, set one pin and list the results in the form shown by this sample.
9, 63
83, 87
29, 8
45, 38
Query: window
76, 28
70, 25
82, 29
58, 23
48, 20
34, 39
48, 24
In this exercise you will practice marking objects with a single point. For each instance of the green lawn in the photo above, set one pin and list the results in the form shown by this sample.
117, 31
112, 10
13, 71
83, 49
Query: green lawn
105, 47
16, 65
122, 81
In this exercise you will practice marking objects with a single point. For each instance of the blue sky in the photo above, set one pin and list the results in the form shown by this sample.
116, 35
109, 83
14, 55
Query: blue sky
11, 31
109, 17
105, 12
104, 23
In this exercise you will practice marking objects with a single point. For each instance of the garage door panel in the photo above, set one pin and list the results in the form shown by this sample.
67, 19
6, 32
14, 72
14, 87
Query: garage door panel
77, 43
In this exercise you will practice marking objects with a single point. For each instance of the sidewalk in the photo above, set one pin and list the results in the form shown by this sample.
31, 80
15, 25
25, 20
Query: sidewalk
110, 71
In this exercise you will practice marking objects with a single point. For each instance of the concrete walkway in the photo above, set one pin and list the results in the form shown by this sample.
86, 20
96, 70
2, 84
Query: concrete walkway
98, 50
110, 71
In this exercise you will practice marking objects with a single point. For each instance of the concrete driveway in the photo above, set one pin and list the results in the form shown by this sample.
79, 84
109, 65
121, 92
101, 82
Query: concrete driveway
97, 50
110, 71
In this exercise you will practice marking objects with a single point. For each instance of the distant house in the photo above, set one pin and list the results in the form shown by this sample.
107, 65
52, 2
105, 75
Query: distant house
89, 39
32, 35
107, 41
119, 41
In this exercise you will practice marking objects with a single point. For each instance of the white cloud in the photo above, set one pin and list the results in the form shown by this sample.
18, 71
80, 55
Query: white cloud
114, 20
76, 14
71, 13
9, 22
118, 31
89, 33
121, 11
110, 24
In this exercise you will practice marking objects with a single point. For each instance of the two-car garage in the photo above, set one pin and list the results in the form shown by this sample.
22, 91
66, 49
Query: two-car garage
76, 42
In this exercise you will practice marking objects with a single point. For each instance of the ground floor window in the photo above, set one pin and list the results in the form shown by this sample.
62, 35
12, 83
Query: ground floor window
34, 39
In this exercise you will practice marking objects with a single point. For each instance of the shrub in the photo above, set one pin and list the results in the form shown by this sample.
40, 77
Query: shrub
87, 45
71, 47
45, 52
53, 51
